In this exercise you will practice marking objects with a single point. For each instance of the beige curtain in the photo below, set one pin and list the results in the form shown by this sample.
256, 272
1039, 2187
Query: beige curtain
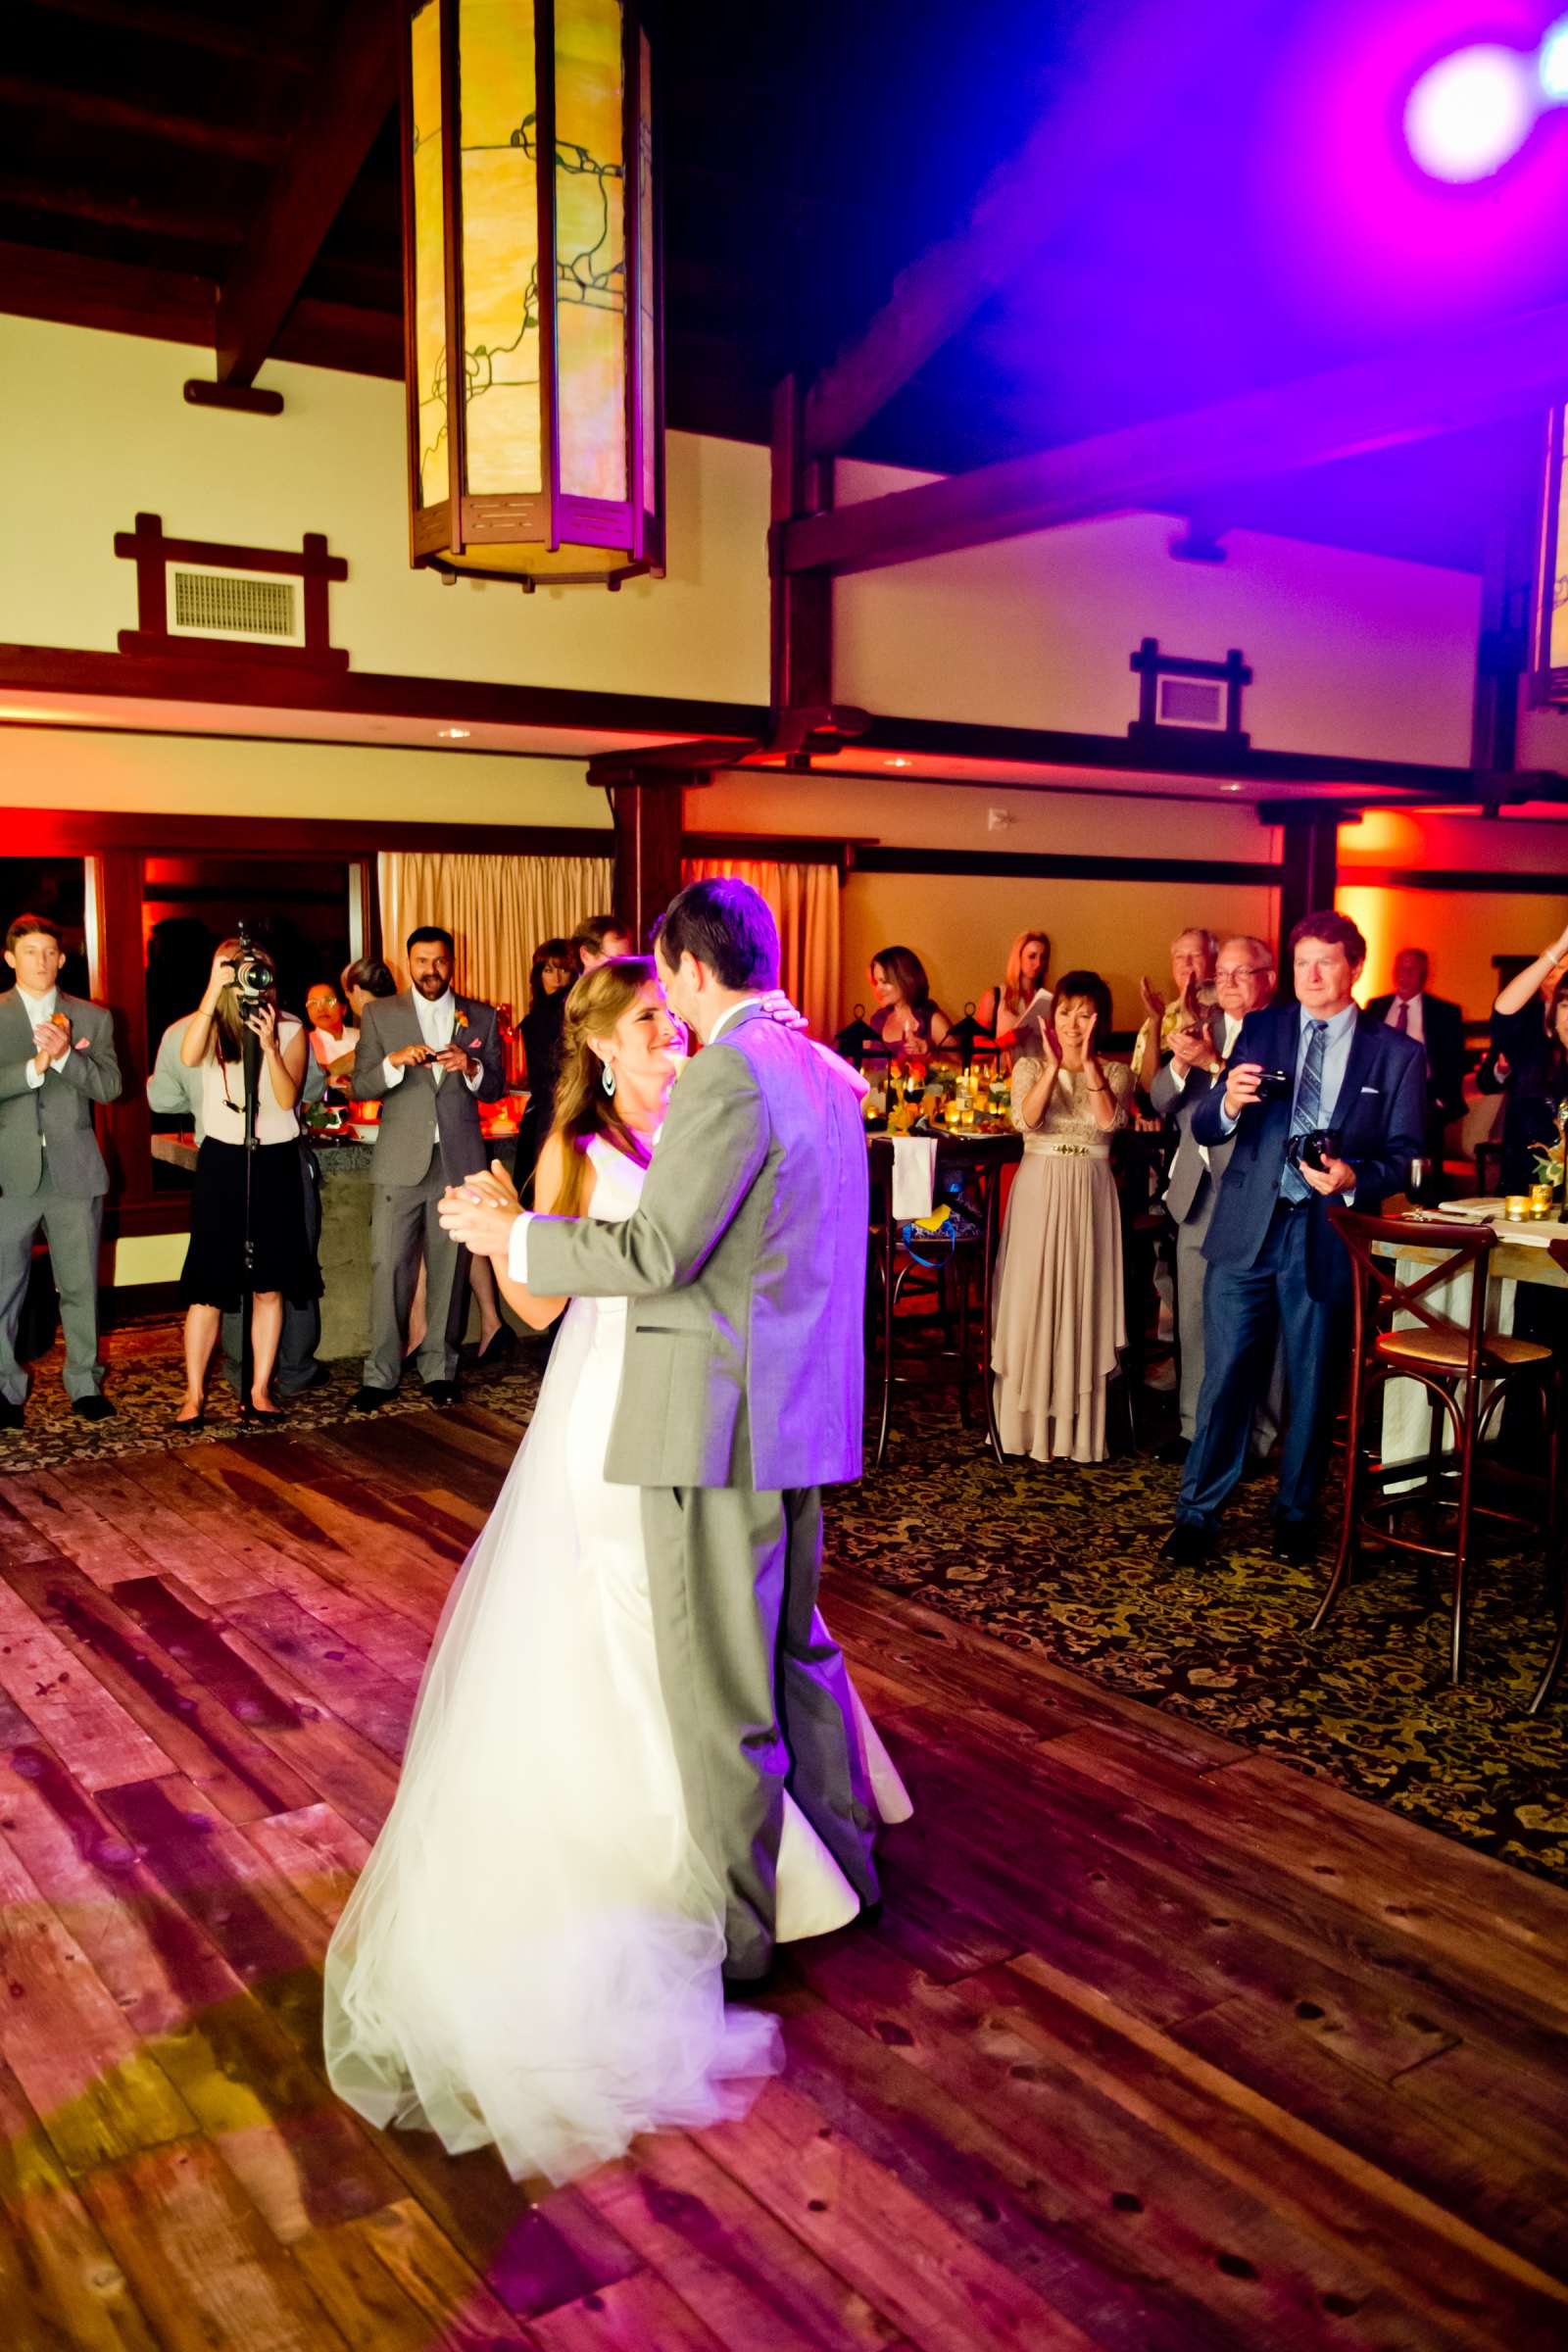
805, 902
498, 910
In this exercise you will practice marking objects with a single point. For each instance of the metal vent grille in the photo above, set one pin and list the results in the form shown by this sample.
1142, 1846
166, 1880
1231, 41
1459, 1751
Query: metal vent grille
1191, 702
242, 604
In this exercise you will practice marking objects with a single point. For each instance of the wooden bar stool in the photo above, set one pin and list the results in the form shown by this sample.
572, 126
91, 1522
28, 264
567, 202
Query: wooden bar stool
1451, 1361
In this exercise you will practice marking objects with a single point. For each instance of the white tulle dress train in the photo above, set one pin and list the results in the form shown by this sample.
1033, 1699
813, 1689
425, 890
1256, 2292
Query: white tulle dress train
533, 1953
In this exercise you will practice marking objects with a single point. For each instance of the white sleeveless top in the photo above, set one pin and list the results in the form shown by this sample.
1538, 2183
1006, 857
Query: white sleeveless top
224, 1111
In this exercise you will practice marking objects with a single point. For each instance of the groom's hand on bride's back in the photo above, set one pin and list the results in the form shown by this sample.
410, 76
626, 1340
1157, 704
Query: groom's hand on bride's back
778, 1007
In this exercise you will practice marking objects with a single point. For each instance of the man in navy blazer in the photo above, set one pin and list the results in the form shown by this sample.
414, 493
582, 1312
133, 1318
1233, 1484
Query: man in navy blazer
1275, 1267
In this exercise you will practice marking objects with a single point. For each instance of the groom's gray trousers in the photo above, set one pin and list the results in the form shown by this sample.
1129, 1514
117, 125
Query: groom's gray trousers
763, 1705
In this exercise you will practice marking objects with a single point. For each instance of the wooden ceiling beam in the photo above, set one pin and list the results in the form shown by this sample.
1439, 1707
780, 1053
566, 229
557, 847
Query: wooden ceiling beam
113, 207
1104, 105
95, 109
126, 298
255, 44
1491, 371
348, 101
119, 298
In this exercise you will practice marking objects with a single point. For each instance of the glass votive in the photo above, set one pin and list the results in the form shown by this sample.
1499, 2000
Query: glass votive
1517, 1207
1541, 1200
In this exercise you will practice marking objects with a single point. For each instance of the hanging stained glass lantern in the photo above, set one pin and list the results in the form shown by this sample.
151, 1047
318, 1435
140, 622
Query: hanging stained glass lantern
530, 234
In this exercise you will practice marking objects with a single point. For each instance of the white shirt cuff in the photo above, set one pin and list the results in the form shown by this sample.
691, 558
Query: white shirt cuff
35, 1076
392, 1071
1228, 1125
472, 1078
1180, 1071
518, 1249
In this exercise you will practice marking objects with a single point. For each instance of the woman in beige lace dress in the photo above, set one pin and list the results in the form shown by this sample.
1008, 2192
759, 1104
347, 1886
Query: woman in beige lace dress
1058, 1320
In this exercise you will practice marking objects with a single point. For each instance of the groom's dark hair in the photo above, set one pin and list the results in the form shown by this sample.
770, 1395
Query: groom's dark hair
727, 925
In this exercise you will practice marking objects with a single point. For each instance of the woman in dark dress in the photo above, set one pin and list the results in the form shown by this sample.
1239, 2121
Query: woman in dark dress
284, 1263
553, 970
1532, 1039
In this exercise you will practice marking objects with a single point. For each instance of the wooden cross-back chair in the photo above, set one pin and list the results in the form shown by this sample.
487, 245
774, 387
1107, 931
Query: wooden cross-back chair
1453, 1361
1560, 1570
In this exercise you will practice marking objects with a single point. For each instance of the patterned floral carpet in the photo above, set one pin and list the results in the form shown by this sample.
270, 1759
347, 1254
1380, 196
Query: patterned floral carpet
1065, 1561
145, 1382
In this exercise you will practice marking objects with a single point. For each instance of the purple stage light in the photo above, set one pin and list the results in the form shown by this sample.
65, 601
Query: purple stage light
1553, 64
1470, 112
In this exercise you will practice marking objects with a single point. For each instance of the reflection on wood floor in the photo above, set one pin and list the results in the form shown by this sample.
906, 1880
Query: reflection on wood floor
1155, 2045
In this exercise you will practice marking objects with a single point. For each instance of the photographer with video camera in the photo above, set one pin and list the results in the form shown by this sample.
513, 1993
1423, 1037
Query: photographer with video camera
247, 1218
1321, 1108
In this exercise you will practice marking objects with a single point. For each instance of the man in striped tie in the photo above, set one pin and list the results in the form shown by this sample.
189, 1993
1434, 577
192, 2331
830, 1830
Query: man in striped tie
1275, 1267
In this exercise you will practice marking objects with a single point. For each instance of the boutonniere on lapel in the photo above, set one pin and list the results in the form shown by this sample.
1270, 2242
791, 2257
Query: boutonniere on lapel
461, 1018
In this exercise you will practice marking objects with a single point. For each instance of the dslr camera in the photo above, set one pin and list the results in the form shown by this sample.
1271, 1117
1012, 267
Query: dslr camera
254, 973
1313, 1150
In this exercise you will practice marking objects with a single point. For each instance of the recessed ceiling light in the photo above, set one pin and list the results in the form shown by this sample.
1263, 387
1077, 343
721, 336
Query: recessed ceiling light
455, 734
1230, 788
900, 763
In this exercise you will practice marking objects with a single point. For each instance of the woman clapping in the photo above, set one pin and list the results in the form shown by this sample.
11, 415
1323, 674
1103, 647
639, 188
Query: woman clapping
1059, 1318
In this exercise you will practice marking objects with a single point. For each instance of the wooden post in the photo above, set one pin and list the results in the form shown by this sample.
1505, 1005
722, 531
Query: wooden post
802, 648
649, 811
1308, 871
120, 980
1502, 648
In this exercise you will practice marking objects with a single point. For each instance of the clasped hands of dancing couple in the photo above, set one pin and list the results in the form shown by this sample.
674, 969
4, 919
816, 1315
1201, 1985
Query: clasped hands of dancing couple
637, 1761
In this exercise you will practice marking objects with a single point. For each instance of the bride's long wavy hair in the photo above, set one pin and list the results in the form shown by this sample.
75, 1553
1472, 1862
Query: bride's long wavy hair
583, 1109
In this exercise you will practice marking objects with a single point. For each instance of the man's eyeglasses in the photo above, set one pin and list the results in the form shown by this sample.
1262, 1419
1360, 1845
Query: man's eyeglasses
1241, 971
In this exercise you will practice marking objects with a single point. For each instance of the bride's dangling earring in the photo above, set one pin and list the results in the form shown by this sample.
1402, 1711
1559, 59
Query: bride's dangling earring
608, 1079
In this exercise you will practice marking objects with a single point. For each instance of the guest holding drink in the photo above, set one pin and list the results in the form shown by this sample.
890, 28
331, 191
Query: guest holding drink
284, 1263
1193, 957
1022, 990
907, 1020
1060, 1319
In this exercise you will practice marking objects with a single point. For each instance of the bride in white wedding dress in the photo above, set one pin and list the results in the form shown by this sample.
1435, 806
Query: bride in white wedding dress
532, 1954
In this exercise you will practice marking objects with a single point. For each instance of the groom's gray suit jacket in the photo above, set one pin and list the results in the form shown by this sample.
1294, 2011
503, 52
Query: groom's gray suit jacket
745, 1268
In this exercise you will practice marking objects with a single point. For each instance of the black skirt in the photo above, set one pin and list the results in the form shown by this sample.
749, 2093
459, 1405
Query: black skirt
214, 1263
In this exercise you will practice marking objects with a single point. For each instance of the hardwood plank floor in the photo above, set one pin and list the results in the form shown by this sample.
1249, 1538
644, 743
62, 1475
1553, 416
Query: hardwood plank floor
1157, 2047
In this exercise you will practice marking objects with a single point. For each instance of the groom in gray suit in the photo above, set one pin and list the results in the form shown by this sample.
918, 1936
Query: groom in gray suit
741, 1397
56, 1059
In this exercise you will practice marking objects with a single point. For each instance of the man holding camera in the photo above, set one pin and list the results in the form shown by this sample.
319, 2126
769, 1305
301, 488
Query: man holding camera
430, 1060
1321, 1108
56, 1059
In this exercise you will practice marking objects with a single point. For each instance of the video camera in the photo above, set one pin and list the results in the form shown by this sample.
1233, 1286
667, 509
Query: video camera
254, 972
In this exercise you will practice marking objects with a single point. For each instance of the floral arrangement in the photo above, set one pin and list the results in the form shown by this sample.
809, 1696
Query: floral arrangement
1550, 1161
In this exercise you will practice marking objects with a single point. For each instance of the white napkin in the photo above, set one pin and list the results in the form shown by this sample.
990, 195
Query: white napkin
914, 1169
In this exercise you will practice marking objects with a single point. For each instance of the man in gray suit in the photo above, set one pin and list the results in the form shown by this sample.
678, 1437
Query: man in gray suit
1244, 982
430, 1060
56, 1059
741, 1397
176, 1087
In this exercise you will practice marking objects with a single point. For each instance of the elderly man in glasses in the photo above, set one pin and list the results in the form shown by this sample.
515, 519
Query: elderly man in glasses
1244, 977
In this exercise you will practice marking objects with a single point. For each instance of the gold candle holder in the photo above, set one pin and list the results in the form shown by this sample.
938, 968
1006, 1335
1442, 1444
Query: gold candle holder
1517, 1207
1541, 1200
